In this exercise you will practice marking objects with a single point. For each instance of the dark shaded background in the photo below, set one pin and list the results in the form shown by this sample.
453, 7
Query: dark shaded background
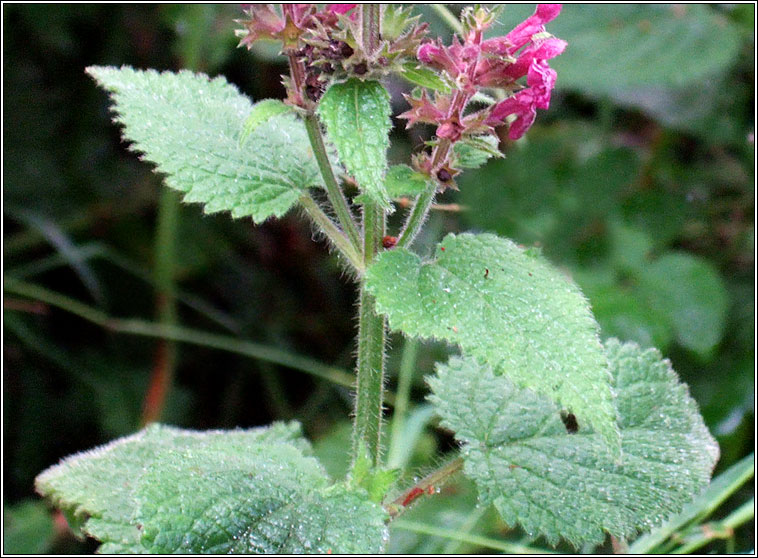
638, 181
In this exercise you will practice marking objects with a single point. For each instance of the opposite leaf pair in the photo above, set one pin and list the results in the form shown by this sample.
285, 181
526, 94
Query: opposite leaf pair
170, 490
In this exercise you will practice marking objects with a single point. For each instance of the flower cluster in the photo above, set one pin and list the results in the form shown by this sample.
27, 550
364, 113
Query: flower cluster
308, 66
326, 44
296, 19
499, 62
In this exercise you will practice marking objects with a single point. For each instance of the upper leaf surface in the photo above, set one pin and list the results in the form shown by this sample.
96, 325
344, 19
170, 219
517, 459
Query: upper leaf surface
524, 460
191, 128
357, 118
508, 307
166, 490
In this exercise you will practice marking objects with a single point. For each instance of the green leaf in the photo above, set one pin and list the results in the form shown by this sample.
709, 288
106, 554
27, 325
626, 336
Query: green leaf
357, 118
191, 128
425, 77
473, 152
508, 307
402, 180
376, 482
691, 293
722, 487
262, 112
166, 490
519, 449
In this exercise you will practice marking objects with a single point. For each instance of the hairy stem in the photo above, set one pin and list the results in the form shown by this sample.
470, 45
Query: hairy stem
371, 338
371, 21
367, 425
333, 233
417, 215
334, 192
297, 76
420, 209
369, 397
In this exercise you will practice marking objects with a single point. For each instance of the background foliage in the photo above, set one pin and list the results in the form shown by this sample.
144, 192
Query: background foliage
638, 182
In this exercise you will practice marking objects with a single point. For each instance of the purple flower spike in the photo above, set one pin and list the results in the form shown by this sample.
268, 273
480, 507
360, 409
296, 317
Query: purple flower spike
476, 63
541, 50
442, 58
532, 25
340, 8
524, 104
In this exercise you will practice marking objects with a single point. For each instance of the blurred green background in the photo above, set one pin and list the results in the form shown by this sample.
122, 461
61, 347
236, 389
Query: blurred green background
638, 182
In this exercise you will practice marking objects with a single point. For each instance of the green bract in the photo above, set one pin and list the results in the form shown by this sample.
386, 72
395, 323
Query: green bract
521, 452
357, 118
166, 490
473, 152
508, 307
425, 77
402, 180
192, 128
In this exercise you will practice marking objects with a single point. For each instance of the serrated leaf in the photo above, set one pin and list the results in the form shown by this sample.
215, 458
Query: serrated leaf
425, 77
519, 450
167, 490
507, 307
357, 118
262, 112
190, 127
473, 152
402, 180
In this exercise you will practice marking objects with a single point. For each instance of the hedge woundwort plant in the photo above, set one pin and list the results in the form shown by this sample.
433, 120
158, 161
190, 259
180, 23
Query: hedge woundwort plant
567, 436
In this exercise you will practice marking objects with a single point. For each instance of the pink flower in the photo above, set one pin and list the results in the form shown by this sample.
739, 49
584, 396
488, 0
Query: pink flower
524, 104
497, 62
495, 72
446, 59
340, 8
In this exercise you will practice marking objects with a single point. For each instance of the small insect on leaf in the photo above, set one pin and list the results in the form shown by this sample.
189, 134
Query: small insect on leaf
570, 422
